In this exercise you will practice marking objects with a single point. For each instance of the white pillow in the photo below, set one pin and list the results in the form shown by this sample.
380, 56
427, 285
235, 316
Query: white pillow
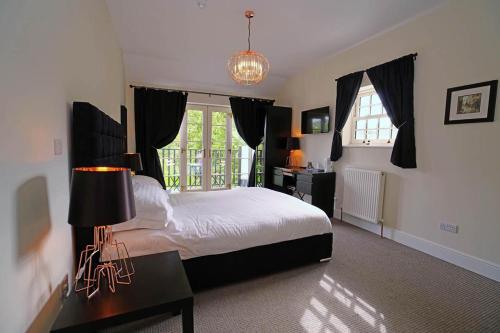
137, 223
139, 179
153, 211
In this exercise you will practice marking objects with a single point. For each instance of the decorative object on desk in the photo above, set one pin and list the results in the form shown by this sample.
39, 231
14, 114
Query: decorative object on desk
292, 143
133, 162
309, 166
313, 170
248, 67
100, 197
474, 103
328, 165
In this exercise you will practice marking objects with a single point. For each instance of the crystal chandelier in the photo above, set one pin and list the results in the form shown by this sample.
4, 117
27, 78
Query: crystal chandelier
248, 67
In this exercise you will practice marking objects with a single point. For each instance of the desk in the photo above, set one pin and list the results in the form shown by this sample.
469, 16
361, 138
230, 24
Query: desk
319, 185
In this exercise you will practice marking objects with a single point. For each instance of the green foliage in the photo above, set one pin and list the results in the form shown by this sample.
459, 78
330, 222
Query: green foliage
170, 155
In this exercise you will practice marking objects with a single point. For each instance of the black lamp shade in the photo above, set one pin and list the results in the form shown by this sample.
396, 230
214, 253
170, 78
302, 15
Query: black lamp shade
292, 143
101, 196
133, 161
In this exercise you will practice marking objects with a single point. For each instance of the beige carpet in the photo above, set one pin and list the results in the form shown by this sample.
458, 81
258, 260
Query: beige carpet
372, 285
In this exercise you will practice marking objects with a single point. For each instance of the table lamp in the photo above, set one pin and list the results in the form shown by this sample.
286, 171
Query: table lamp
101, 197
292, 143
133, 162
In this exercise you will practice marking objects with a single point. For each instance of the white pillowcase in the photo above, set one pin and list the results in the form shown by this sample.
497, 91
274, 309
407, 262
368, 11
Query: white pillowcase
139, 179
153, 210
137, 223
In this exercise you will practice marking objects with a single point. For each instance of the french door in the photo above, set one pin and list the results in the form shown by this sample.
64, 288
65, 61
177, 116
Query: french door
204, 144
208, 153
201, 151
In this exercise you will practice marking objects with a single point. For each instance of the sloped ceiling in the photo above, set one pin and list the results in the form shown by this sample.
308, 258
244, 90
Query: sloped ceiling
176, 43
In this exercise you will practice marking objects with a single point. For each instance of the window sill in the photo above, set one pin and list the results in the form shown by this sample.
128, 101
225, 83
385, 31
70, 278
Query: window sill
367, 146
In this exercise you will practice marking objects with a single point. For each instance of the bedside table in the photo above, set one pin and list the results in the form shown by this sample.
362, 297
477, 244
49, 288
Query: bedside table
159, 285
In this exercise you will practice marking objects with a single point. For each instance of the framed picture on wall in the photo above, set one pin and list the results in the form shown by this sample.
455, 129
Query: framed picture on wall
474, 103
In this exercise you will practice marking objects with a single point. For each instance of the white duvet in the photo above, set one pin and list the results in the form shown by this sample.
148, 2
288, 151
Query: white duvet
207, 223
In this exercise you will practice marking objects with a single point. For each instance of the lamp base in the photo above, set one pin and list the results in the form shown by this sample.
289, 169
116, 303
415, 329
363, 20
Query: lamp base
96, 263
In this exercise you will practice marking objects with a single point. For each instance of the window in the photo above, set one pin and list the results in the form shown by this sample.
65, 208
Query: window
370, 124
208, 153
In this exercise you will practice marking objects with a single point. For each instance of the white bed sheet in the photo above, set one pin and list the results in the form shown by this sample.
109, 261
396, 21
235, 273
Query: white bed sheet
207, 223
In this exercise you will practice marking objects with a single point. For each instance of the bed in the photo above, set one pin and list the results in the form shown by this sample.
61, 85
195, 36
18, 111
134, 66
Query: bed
222, 236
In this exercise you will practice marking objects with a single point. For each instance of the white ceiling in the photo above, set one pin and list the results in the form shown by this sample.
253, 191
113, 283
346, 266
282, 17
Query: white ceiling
177, 44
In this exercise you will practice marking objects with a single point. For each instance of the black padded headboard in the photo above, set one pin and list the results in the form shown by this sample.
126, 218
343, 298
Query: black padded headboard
97, 139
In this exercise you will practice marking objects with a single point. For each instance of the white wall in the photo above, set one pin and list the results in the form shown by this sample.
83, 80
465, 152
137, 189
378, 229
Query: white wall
457, 179
52, 52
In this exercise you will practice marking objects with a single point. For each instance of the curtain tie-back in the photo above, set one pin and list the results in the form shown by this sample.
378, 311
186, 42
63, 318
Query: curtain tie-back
404, 123
338, 132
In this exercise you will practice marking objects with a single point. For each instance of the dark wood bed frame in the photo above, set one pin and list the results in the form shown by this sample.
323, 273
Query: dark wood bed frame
98, 140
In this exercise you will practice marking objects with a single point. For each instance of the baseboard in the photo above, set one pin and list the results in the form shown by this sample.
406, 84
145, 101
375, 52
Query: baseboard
471, 263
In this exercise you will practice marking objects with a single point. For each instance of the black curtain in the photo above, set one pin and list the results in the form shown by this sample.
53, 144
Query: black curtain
393, 82
249, 117
347, 91
158, 118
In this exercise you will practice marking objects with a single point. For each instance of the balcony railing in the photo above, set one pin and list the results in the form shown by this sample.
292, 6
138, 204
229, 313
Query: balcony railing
170, 159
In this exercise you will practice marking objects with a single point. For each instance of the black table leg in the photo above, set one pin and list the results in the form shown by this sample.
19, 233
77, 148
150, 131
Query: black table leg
187, 318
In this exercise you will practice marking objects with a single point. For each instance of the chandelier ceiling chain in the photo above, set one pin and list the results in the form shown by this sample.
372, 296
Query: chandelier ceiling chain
248, 67
249, 16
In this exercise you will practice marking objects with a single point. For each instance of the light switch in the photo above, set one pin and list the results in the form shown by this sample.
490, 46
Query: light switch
58, 147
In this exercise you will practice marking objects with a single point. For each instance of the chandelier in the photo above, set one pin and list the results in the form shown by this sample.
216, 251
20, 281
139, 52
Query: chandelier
248, 67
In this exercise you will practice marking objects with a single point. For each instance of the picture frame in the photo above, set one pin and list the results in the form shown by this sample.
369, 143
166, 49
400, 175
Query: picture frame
473, 103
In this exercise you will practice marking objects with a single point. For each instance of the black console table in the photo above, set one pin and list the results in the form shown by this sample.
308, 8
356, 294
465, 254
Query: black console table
319, 185
159, 285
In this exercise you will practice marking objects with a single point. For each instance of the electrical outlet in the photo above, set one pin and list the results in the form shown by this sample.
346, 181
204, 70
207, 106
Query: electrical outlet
449, 227
58, 147
65, 287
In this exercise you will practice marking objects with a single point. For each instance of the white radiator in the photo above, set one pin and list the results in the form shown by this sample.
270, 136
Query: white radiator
364, 194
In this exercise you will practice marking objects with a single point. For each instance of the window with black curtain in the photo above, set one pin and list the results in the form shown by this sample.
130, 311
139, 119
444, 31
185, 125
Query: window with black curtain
393, 82
158, 118
249, 117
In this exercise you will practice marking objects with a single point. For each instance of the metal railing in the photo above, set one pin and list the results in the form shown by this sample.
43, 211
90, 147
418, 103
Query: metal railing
170, 159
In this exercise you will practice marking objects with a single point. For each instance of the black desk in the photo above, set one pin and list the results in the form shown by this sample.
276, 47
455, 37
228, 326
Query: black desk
319, 185
159, 285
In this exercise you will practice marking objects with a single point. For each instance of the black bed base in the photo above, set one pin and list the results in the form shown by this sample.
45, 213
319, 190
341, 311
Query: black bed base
215, 270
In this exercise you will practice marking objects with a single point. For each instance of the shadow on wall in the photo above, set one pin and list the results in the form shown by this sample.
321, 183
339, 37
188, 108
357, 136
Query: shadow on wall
33, 215
33, 227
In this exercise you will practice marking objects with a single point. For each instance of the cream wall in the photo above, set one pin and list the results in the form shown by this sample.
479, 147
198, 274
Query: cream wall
52, 52
457, 179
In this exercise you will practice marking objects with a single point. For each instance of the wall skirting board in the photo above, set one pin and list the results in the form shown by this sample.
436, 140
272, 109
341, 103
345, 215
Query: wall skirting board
471, 263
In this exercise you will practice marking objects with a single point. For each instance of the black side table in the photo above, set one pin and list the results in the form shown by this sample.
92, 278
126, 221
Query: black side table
159, 285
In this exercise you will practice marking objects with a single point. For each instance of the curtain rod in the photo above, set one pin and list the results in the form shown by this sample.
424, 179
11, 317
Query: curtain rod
201, 92
412, 54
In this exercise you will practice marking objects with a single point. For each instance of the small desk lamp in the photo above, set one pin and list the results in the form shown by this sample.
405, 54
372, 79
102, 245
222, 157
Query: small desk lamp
100, 197
292, 143
133, 162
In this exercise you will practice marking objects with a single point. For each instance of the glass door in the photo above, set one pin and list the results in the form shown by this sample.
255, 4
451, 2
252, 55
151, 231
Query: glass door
219, 141
204, 139
194, 143
208, 153
171, 162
